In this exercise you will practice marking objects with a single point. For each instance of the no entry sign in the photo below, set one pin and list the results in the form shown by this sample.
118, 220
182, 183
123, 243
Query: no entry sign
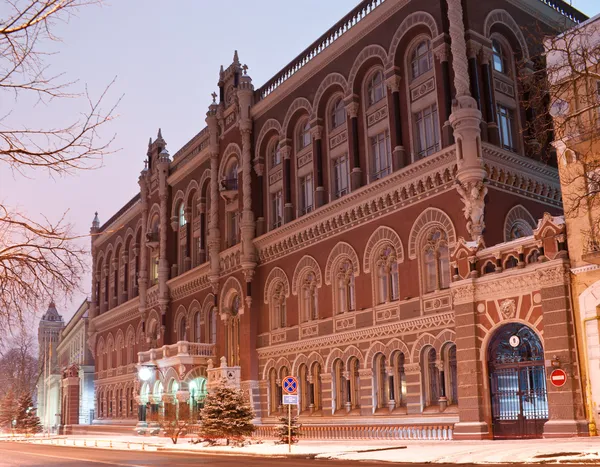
558, 377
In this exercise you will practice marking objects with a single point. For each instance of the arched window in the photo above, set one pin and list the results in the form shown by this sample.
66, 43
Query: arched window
338, 113
278, 308
197, 327
533, 256
450, 374
309, 301
274, 153
274, 392
345, 283
387, 274
498, 57
304, 390
489, 267
181, 214
231, 175
182, 331
421, 58
436, 261
398, 379
375, 88
353, 383
511, 262
431, 377
316, 386
233, 331
381, 381
340, 386
303, 138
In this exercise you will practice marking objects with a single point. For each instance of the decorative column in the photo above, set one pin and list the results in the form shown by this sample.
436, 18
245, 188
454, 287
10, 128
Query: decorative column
124, 277
288, 207
466, 120
259, 169
95, 302
391, 397
163, 262
143, 271
187, 260
442, 400
352, 112
399, 156
473, 49
247, 225
214, 236
317, 138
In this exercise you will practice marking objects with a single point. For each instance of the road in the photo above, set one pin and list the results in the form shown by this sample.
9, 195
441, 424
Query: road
36, 455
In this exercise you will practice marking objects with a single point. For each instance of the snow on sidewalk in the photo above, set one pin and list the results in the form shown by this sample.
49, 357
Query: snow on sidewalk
481, 452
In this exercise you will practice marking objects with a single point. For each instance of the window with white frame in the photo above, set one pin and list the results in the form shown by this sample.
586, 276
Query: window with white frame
381, 158
181, 214
421, 60
505, 126
436, 260
341, 176
303, 137
498, 57
345, 287
308, 298
275, 154
427, 131
278, 308
387, 275
306, 194
431, 377
276, 209
375, 88
338, 113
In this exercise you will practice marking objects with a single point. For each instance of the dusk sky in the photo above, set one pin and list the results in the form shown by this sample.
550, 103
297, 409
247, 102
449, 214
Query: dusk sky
166, 58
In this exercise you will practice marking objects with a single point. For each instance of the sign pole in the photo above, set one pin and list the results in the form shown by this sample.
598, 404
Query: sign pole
289, 428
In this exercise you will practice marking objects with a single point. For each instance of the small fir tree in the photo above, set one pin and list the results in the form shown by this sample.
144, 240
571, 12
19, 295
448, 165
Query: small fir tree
28, 422
8, 409
226, 414
283, 430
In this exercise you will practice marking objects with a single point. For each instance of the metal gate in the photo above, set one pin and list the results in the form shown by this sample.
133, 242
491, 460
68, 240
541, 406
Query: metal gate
517, 383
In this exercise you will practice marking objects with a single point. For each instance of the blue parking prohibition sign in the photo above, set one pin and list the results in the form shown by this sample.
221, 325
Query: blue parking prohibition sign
290, 385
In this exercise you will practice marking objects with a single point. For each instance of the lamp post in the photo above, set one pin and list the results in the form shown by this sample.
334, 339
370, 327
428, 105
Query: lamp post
145, 374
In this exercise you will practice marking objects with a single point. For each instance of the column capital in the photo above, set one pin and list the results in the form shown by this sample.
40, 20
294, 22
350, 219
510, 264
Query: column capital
317, 132
442, 52
352, 109
393, 82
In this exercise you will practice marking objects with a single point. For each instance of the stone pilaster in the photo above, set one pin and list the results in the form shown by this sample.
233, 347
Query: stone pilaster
365, 377
352, 107
143, 273
163, 261
214, 236
414, 391
399, 156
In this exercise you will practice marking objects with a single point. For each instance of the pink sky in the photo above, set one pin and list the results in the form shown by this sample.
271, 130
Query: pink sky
166, 60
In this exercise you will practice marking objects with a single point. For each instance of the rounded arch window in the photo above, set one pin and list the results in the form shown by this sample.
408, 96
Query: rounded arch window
181, 214
303, 137
436, 260
421, 59
498, 56
274, 153
375, 87
236, 304
338, 113
231, 175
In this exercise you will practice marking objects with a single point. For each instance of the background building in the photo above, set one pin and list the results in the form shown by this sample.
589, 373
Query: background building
371, 220
48, 397
77, 370
575, 89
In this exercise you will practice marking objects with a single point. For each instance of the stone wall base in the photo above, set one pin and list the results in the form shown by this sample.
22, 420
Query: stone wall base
565, 428
472, 431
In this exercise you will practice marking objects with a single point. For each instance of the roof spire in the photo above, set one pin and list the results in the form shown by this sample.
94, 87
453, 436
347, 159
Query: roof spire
95, 222
236, 59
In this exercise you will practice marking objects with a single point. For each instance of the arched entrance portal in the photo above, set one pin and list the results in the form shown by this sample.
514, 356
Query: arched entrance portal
517, 383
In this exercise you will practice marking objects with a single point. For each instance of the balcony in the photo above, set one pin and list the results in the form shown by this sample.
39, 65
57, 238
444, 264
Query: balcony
152, 239
591, 248
181, 352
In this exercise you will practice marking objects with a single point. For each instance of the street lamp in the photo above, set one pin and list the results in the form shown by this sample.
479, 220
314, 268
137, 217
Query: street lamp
145, 373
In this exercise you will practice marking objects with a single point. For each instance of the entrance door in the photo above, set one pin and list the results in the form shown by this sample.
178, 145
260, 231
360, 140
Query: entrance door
517, 383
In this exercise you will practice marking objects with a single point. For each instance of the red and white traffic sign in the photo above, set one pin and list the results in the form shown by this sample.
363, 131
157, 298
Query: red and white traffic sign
290, 385
558, 377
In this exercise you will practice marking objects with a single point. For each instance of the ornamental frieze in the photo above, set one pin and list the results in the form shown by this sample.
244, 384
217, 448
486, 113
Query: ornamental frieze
422, 90
338, 139
377, 116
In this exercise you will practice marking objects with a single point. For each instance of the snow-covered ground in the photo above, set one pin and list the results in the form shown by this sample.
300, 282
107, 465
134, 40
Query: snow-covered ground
549, 450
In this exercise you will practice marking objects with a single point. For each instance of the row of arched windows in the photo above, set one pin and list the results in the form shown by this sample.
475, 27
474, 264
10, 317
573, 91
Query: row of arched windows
116, 402
436, 379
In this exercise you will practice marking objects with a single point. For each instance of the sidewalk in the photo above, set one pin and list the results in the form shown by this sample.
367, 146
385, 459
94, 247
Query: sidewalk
575, 450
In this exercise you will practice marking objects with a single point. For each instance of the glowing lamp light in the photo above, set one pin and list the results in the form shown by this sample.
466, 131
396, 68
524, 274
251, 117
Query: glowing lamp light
145, 373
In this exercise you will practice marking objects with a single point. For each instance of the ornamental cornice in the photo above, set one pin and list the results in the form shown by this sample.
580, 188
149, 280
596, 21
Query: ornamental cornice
539, 14
511, 282
516, 161
117, 316
189, 283
117, 224
409, 326
430, 176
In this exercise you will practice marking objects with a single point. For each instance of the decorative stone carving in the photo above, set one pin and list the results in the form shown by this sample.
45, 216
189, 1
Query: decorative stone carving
473, 197
508, 309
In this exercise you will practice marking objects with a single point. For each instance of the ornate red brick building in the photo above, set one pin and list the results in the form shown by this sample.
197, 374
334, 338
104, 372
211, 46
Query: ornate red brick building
367, 221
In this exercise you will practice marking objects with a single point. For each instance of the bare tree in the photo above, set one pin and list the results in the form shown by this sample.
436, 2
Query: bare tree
40, 258
569, 86
19, 368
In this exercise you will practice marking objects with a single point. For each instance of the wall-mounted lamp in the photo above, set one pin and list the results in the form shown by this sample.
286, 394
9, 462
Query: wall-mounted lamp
555, 362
